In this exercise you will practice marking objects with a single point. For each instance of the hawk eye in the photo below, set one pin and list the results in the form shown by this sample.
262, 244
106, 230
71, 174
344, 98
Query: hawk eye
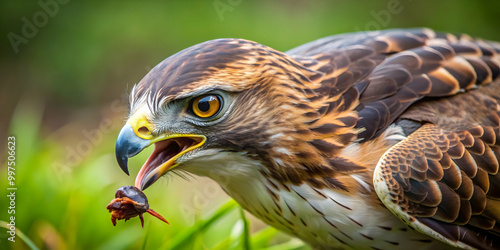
206, 106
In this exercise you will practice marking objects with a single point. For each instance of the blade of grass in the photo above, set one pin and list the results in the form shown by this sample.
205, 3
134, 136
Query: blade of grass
21, 235
245, 236
262, 237
225, 244
182, 240
236, 235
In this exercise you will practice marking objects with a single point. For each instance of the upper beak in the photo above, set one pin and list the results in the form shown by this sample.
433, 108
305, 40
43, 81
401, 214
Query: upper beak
136, 135
128, 144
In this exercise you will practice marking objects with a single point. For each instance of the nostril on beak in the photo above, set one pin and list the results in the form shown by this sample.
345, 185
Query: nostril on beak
144, 131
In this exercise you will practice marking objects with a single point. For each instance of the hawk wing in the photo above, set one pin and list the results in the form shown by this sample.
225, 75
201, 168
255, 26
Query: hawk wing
392, 69
445, 183
443, 178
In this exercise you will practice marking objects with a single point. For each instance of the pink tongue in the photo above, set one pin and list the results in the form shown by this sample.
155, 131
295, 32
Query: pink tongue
163, 153
164, 150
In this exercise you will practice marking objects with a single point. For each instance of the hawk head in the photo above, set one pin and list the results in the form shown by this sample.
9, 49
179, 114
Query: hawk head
227, 105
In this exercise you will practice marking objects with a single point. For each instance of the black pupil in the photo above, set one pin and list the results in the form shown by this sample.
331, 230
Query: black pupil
204, 103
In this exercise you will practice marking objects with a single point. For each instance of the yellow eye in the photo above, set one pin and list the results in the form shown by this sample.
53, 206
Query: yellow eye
206, 105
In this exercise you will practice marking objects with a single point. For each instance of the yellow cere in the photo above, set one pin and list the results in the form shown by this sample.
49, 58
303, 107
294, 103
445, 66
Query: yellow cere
141, 126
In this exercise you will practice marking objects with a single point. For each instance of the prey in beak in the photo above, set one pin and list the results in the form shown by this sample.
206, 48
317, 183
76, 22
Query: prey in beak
137, 135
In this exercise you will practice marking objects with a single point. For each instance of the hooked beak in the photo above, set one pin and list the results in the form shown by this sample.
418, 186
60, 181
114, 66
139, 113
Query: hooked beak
136, 135
128, 145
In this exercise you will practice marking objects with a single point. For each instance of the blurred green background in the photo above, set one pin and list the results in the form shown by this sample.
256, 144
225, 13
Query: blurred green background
66, 67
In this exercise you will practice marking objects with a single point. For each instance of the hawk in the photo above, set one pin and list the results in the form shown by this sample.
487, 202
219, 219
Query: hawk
376, 140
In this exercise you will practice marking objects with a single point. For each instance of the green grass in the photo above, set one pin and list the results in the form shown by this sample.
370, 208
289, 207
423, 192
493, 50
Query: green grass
19, 234
64, 208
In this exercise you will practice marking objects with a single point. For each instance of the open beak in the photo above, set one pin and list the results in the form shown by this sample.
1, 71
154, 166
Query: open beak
136, 135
